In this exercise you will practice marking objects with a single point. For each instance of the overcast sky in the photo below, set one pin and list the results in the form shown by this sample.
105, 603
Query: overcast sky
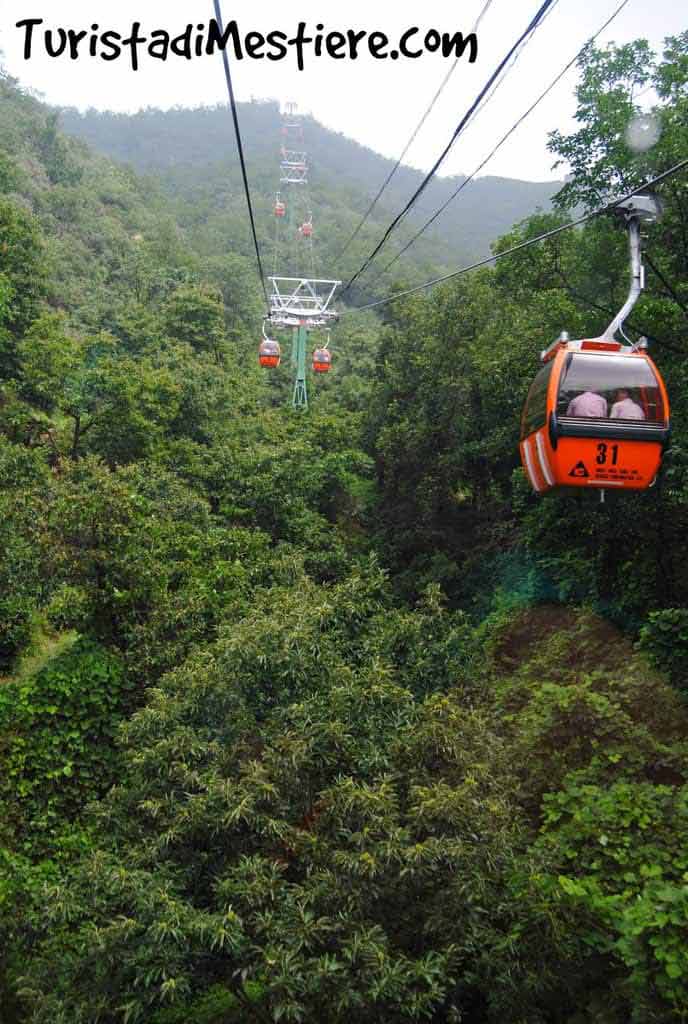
375, 102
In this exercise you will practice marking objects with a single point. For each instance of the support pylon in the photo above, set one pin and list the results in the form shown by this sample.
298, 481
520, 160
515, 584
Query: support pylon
298, 303
300, 400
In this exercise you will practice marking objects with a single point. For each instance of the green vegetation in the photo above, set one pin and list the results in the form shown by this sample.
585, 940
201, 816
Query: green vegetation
325, 717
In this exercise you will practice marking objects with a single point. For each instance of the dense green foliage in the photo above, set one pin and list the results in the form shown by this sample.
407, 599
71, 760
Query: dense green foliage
57, 729
325, 717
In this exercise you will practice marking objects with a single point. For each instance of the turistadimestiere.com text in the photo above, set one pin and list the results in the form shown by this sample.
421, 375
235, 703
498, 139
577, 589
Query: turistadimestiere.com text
201, 40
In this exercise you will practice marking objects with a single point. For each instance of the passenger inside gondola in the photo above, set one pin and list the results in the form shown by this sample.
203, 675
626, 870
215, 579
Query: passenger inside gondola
589, 403
625, 408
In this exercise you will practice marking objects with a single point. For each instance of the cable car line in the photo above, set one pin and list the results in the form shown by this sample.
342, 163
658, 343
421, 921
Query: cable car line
514, 127
525, 244
480, 101
478, 111
397, 165
512, 63
237, 132
535, 21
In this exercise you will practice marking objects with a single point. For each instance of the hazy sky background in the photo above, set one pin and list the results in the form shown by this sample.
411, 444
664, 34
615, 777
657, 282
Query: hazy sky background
378, 103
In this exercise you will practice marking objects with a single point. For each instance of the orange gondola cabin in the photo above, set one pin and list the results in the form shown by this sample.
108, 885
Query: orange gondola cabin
269, 353
597, 413
322, 361
596, 416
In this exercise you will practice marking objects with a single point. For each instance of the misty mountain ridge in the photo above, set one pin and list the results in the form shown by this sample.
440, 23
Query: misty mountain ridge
192, 152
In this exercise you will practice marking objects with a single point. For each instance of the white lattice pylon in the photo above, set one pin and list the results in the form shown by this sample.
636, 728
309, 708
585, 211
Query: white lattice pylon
302, 301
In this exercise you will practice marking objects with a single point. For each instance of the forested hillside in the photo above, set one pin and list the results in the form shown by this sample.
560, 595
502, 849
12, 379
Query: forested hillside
189, 153
323, 716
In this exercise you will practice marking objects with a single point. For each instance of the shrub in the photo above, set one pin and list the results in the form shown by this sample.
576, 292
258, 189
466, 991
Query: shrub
623, 856
216, 1006
665, 638
56, 741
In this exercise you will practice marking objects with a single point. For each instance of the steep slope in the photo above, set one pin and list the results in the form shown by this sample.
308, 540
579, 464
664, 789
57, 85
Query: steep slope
111, 236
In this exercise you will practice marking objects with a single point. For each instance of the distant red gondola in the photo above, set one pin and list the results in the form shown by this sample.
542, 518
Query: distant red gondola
269, 353
322, 361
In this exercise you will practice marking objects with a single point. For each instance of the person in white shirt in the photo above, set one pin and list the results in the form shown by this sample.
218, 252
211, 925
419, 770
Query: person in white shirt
625, 408
588, 404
